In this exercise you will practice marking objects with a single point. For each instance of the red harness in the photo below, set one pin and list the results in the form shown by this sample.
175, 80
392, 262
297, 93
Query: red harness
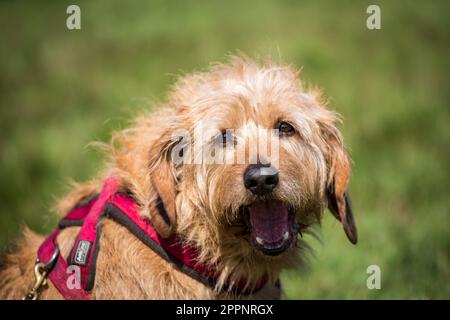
123, 209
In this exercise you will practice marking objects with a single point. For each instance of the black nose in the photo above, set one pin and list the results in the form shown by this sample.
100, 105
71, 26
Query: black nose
260, 179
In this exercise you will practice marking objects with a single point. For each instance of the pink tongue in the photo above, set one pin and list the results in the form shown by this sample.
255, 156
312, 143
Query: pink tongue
269, 220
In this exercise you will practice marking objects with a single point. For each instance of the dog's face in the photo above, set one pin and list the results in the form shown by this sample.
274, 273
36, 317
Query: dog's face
248, 160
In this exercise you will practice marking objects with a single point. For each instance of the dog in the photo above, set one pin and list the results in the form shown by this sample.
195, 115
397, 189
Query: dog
244, 217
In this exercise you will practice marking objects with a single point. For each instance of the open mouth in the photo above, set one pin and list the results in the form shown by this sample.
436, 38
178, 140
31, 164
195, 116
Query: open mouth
272, 226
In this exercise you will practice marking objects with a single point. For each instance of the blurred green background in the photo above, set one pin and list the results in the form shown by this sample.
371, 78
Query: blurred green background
61, 89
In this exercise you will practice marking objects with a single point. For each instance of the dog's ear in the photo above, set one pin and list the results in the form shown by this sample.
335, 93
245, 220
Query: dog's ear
339, 175
163, 180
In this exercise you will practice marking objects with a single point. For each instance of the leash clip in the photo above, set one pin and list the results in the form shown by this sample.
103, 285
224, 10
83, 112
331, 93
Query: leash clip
41, 271
41, 282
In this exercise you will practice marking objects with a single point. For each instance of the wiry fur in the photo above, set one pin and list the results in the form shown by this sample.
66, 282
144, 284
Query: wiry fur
241, 94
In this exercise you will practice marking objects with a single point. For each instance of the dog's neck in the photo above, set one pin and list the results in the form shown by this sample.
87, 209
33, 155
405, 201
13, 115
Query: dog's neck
232, 257
153, 275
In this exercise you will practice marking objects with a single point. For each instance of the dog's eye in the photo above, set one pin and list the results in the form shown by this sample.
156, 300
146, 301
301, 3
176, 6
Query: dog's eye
226, 139
285, 129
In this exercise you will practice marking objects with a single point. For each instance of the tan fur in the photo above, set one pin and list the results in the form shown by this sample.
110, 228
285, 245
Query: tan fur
203, 200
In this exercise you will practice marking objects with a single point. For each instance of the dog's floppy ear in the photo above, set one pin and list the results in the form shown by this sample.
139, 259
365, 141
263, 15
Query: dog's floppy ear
339, 175
162, 178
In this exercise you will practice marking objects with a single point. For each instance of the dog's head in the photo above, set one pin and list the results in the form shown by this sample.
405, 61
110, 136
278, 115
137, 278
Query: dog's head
247, 159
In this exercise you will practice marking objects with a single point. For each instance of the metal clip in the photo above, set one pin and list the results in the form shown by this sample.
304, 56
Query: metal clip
41, 282
41, 272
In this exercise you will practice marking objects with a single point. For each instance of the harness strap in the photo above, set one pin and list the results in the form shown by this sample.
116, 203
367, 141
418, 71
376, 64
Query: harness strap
123, 209
49, 254
82, 253
57, 269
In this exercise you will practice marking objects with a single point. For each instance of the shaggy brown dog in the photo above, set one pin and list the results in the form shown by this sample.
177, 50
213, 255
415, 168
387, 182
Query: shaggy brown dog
242, 221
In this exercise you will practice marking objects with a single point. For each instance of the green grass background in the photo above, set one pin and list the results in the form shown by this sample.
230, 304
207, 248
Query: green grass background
61, 89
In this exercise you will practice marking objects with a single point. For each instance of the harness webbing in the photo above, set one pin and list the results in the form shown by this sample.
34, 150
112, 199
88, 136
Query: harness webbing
122, 208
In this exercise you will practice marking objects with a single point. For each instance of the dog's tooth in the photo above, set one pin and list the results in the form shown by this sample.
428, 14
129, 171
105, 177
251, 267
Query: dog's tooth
259, 240
286, 235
